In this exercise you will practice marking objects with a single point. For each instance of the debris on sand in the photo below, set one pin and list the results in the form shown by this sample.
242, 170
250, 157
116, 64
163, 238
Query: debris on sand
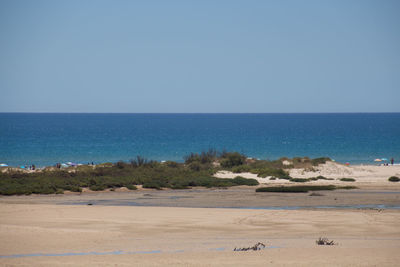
325, 241
257, 246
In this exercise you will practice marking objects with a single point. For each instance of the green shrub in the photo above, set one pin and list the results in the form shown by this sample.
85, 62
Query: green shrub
120, 164
347, 179
296, 189
172, 164
313, 194
231, 159
97, 187
195, 166
140, 161
203, 158
131, 187
197, 171
394, 179
179, 186
238, 180
241, 168
153, 185
72, 188
279, 173
299, 180
317, 161
320, 177
347, 187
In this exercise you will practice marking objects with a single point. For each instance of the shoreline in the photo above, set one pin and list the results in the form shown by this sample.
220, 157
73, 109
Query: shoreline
42, 167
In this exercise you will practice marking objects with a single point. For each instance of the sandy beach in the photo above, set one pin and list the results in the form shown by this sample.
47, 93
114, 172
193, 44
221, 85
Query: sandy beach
202, 227
151, 236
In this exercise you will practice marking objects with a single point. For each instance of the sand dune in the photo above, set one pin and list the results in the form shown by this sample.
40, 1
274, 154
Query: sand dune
364, 174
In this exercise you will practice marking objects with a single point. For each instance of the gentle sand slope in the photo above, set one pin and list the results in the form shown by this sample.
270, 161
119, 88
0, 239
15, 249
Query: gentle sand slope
149, 236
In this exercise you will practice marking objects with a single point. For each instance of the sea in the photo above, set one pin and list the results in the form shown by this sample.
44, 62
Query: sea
45, 139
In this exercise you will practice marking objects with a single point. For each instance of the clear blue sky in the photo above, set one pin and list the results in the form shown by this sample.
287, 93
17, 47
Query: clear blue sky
199, 56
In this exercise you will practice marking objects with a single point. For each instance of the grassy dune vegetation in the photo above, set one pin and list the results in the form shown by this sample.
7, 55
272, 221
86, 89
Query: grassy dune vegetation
197, 170
301, 188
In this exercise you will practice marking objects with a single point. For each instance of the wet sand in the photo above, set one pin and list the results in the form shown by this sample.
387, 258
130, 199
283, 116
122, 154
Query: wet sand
233, 197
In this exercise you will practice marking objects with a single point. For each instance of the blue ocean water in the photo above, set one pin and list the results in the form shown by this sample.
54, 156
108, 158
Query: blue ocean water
47, 138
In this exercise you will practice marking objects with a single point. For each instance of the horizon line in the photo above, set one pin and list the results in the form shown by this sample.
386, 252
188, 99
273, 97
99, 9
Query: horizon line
62, 112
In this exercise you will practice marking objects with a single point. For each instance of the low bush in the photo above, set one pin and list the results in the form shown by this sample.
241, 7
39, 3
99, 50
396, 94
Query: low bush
120, 164
198, 170
394, 179
241, 168
97, 187
172, 164
278, 173
238, 180
195, 166
202, 158
299, 180
306, 162
73, 188
347, 179
320, 177
262, 164
131, 187
179, 186
317, 161
140, 161
231, 159
153, 185
347, 187
296, 189
314, 194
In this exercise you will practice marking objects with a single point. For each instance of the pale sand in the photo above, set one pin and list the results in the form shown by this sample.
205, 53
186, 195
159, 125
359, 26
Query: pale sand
365, 175
196, 236
176, 236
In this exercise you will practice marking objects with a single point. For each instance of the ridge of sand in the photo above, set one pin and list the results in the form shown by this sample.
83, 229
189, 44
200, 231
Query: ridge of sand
362, 173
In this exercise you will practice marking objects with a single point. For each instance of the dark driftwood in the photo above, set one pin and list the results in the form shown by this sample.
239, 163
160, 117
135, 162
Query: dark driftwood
325, 241
257, 246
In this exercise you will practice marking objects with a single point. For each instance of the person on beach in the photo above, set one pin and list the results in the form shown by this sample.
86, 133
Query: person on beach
392, 161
